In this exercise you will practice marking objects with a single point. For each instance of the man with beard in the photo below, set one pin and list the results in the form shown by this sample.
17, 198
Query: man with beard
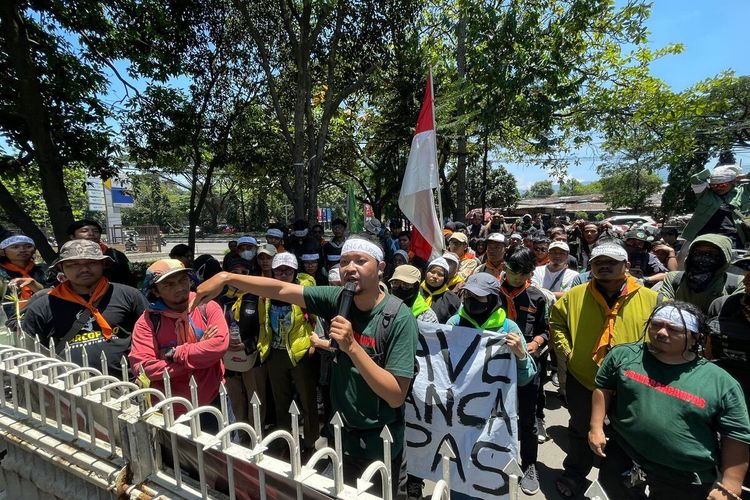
643, 264
705, 277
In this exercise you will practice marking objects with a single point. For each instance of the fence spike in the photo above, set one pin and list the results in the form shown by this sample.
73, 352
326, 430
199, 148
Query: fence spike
193, 391
124, 371
596, 492
167, 379
67, 353
515, 473
104, 363
37, 343
84, 357
52, 350
255, 403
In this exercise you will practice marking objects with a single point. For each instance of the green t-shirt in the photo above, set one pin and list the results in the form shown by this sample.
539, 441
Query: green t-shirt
364, 413
666, 417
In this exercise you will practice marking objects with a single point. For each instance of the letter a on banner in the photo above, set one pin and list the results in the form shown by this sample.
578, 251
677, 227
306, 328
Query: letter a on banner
417, 200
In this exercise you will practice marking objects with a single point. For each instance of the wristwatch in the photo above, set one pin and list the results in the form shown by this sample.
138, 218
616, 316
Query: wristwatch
169, 355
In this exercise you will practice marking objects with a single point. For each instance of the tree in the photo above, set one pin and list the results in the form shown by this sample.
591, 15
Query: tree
51, 115
629, 188
315, 52
501, 188
574, 187
540, 189
158, 202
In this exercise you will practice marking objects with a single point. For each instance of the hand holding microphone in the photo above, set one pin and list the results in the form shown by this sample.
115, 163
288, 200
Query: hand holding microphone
342, 330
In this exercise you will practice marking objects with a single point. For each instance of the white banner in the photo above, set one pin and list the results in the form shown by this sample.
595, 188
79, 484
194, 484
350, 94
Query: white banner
465, 394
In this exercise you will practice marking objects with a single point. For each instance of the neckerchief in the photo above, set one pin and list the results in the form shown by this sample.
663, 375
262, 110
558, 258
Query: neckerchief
25, 272
186, 330
543, 262
605, 338
103, 247
237, 307
495, 271
430, 294
510, 297
65, 292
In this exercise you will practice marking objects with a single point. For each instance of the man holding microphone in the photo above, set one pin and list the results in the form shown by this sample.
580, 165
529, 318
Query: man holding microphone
376, 351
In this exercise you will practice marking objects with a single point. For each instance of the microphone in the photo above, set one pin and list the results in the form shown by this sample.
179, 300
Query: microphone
347, 295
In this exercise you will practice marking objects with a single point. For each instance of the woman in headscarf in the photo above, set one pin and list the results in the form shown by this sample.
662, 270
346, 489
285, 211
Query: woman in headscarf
435, 292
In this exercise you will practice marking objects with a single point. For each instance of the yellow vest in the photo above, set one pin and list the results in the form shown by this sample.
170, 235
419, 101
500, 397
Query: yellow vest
297, 338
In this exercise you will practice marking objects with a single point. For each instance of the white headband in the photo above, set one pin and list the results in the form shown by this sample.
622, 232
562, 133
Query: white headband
676, 317
364, 246
308, 257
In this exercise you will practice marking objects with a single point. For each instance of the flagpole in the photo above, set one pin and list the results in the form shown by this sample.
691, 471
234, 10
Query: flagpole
434, 127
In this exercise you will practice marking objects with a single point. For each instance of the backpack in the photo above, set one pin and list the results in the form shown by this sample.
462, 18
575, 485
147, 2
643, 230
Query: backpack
384, 327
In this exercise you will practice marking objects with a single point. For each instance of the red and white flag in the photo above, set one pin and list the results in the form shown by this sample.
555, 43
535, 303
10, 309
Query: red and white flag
417, 200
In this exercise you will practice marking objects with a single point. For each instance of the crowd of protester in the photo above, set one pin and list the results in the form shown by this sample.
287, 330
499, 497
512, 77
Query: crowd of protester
644, 330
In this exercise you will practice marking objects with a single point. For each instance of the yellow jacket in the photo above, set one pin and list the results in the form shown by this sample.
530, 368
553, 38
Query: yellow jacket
297, 338
577, 321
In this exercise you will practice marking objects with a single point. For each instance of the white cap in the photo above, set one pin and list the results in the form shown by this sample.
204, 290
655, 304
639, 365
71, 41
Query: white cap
559, 244
724, 173
450, 256
284, 259
496, 237
611, 250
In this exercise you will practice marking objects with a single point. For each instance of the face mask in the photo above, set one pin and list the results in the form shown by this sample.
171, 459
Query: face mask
300, 234
406, 294
700, 269
476, 308
247, 254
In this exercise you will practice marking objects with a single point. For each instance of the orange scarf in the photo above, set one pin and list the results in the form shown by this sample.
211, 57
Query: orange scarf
25, 272
544, 261
183, 329
103, 247
65, 292
603, 344
510, 299
494, 271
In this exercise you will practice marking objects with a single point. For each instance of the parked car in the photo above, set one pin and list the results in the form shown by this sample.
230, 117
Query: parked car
630, 220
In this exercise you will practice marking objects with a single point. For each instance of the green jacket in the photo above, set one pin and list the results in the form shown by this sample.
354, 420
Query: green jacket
297, 339
709, 202
719, 286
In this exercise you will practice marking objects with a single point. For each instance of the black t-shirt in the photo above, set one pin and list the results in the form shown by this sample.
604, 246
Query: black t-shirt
721, 222
119, 271
52, 317
531, 313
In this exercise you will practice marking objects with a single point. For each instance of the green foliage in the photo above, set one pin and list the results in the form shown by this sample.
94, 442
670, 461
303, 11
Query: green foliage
157, 201
581, 215
629, 187
574, 187
540, 189
599, 217
501, 188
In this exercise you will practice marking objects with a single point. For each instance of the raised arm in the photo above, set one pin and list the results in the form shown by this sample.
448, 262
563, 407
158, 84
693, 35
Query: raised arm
290, 293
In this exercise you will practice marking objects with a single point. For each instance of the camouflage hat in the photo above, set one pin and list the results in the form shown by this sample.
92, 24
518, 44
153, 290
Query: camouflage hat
80, 250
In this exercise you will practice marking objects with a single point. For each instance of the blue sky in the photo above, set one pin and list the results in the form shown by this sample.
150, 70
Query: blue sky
714, 35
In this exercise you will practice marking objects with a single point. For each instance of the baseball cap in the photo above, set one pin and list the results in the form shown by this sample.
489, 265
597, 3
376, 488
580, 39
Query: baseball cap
440, 262
247, 240
460, 237
496, 237
373, 226
407, 274
284, 259
81, 250
452, 257
267, 249
516, 236
559, 244
274, 233
611, 250
482, 284
161, 270
636, 234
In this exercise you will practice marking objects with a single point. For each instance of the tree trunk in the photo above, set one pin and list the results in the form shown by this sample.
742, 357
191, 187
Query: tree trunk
37, 119
460, 209
21, 219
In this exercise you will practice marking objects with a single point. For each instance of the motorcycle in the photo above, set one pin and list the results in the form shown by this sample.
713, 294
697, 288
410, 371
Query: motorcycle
131, 241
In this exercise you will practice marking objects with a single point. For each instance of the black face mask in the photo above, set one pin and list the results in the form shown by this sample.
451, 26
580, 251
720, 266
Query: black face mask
476, 309
700, 268
406, 294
